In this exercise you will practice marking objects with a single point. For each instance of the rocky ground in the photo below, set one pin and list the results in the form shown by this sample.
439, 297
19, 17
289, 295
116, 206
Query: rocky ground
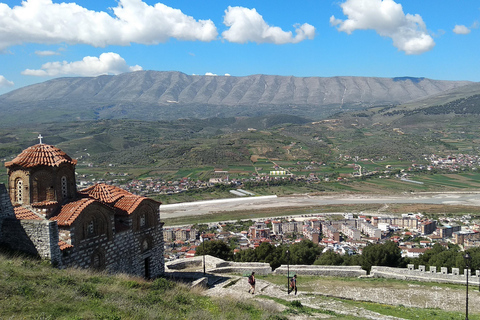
413, 295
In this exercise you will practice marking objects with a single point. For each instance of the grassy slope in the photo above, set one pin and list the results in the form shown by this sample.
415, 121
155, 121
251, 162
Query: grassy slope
31, 289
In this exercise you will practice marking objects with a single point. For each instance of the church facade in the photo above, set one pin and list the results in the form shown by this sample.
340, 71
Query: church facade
102, 227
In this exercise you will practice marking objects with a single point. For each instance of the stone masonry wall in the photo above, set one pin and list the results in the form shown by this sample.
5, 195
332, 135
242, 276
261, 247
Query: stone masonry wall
39, 238
216, 265
36, 237
123, 253
6, 209
421, 274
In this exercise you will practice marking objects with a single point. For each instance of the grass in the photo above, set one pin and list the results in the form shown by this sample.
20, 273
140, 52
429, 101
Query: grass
32, 289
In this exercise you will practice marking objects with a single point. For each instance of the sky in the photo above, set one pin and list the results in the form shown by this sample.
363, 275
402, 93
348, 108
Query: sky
45, 39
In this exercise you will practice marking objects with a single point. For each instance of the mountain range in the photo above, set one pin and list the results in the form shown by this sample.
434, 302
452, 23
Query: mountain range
170, 95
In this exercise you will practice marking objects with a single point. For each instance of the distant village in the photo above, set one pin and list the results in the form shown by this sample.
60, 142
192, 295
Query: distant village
342, 233
151, 186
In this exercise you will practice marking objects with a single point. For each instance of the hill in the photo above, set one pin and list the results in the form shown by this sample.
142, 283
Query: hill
31, 289
152, 95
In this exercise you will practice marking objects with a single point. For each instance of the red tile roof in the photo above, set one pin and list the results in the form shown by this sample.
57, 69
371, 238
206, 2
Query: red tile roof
41, 155
129, 203
23, 213
63, 245
121, 199
104, 192
71, 211
45, 203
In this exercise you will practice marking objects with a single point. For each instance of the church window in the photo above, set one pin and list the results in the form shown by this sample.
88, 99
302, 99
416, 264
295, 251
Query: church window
91, 228
64, 187
98, 260
145, 245
142, 221
19, 191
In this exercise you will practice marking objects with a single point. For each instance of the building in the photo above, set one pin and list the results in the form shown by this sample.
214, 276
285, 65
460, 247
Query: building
259, 230
102, 227
428, 227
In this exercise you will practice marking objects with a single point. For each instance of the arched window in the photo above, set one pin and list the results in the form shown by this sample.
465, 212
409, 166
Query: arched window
64, 187
91, 228
143, 221
98, 260
19, 191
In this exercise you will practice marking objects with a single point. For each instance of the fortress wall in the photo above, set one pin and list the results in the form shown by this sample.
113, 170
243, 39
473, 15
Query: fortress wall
215, 265
421, 274
317, 270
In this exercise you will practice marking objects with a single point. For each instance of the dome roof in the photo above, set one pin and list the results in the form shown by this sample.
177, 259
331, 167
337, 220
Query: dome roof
41, 155
105, 193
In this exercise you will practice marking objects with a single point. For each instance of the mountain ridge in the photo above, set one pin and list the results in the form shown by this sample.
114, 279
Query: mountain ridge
169, 95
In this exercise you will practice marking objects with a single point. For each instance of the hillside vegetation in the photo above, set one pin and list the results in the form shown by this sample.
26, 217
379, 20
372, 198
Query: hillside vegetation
155, 95
31, 289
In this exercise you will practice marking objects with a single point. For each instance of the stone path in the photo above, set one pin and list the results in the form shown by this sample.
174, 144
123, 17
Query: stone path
237, 287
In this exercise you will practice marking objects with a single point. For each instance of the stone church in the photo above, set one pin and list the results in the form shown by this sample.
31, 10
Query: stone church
102, 227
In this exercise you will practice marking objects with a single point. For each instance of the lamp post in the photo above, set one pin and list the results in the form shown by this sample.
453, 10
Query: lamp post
288, 271
467, 259
203, 249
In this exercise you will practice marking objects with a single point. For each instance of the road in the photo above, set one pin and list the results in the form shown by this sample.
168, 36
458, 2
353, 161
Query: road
252, 203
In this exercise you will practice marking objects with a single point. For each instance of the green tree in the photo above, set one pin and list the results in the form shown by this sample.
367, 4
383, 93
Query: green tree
387, 254
329, 258
216, 248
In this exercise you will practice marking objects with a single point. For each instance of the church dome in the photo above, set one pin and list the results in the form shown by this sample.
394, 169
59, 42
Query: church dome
41, 155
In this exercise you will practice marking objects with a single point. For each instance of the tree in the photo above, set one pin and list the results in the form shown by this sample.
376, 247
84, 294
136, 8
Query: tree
329, 258
387, 254
216, 248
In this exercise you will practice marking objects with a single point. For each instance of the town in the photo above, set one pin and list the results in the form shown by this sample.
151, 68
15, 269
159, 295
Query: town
346, 233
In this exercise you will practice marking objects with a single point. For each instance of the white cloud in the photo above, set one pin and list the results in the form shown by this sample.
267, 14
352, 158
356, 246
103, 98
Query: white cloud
210, 74
386, 17
107, 63
461, 29
133, 21
5, 83
46, 53
248, 25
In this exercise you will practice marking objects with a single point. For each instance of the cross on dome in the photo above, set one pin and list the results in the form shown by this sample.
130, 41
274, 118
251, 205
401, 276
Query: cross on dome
40, 137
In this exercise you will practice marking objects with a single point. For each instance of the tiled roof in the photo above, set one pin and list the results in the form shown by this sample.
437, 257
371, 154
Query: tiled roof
45, 203
129, 203
41, 155
63, 245
105, 193
121, 199
71, 211
22, 213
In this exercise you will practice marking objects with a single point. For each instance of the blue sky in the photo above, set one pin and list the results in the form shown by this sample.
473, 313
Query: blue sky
44, 39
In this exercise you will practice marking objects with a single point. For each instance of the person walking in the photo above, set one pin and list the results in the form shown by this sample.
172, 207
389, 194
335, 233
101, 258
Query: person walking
251, 281
293, 285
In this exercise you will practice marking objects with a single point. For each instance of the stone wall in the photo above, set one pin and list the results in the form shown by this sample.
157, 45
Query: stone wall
36, 237
215, 265
430, 275
6, 209
122, 254
316, 270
